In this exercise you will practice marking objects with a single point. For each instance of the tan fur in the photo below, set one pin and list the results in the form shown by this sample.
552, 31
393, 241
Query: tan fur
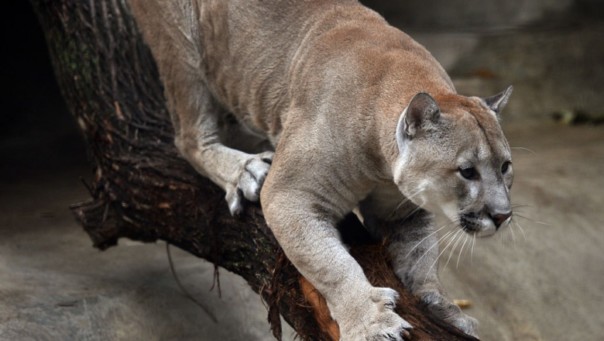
334, 89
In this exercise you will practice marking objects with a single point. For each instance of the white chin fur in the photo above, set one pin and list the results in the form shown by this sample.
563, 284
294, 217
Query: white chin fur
486, 232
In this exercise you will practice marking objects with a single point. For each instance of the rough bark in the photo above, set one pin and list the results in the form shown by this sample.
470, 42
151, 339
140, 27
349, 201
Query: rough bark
143, 190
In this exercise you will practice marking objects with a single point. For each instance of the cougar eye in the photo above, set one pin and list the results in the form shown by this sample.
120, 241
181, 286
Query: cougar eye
505, 167
469, 173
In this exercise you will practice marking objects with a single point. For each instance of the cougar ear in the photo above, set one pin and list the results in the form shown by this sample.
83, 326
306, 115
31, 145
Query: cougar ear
497, 102
422, 109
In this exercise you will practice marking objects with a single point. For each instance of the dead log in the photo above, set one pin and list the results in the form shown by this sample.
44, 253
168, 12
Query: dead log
144, 191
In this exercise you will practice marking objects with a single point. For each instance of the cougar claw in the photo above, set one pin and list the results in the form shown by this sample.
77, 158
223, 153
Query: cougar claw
249, 182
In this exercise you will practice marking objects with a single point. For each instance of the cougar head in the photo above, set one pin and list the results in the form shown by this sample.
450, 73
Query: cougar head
454, 160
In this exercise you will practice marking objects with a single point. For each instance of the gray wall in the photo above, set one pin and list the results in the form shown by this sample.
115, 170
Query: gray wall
552, 51
469, 14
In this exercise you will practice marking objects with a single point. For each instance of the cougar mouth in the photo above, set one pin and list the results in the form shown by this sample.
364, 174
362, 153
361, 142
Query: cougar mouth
468, 222
471, 224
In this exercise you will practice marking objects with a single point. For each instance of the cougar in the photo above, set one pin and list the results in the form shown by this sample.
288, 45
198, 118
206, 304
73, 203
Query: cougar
319, 107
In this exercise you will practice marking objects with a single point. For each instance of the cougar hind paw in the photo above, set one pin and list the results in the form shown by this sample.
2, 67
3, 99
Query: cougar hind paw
248, 182
451, 313
465, 323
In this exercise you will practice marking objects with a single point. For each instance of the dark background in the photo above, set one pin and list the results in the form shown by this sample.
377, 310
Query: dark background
30, 96
37, 133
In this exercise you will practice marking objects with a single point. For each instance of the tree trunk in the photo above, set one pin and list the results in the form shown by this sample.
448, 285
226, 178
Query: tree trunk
143, 190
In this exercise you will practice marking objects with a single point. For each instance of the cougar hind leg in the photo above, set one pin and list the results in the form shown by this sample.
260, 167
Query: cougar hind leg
235, 135
172, 33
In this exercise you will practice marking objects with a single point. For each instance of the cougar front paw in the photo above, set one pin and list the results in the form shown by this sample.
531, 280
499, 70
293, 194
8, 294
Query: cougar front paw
249, 182
375, 320
449, 312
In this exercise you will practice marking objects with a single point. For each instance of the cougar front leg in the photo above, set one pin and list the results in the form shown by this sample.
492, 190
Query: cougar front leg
311, 242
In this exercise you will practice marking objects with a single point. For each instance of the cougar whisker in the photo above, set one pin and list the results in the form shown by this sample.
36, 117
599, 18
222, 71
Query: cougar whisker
455, 236
461, 251
426, 237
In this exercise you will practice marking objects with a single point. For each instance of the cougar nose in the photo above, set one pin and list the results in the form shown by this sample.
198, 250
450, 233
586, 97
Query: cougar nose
498, 219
